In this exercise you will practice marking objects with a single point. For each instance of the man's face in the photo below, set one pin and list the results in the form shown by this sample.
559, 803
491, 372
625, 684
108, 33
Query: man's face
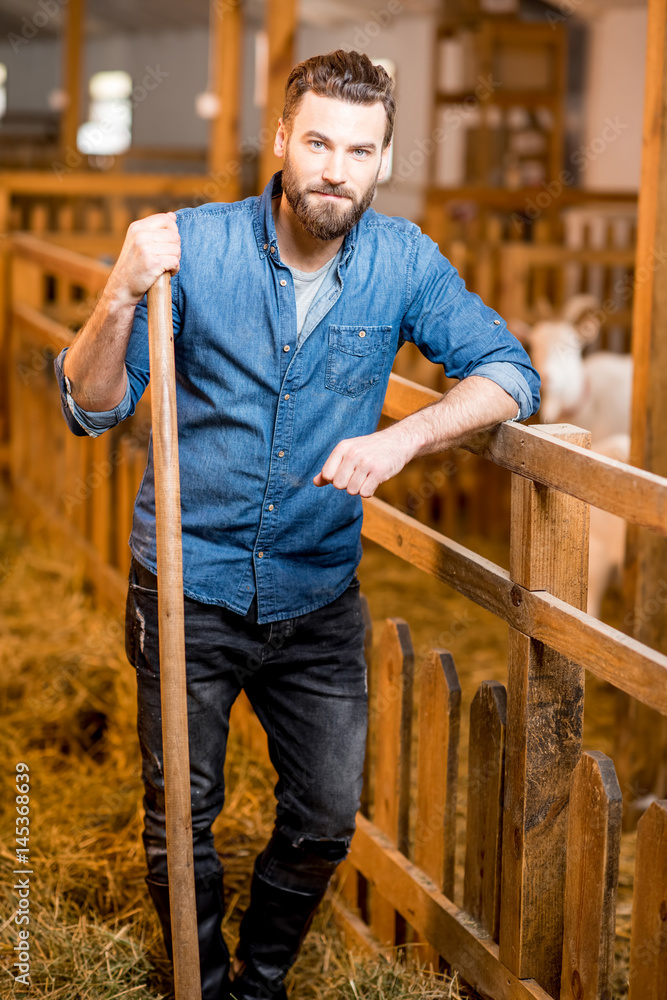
333, 160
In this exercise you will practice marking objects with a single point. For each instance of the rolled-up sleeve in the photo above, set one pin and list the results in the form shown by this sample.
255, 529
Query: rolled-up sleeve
453, 327
137, 365
90, 422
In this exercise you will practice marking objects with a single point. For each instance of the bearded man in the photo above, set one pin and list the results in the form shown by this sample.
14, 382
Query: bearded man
288, 311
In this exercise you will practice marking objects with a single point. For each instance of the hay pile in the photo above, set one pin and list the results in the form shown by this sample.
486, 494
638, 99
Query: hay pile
68, 706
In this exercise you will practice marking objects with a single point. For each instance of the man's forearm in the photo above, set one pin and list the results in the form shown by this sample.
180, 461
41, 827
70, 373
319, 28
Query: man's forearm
475, 404
360, 464
95, 363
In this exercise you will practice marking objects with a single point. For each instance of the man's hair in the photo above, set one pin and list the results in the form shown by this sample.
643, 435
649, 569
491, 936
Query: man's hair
349, 76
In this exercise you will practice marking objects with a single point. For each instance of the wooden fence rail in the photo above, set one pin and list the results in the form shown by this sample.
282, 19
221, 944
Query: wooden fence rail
543, 818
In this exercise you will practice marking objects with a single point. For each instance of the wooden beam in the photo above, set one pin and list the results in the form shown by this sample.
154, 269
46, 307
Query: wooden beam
647, 554
72, 72
226, 43
606, 652
537, 453
59, 260
545, 714
281, 21
453, 933
40, 182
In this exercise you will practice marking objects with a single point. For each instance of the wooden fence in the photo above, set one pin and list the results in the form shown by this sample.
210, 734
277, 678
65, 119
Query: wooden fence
543, 817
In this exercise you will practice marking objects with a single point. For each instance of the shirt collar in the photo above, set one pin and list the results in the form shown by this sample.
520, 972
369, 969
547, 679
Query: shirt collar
265, 229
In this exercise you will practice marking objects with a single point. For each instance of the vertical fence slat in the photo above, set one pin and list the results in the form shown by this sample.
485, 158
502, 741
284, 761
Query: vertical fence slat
648, 945
486, 770
545, 696
101, 497
593, 847
437, 774
124, 506
393, 720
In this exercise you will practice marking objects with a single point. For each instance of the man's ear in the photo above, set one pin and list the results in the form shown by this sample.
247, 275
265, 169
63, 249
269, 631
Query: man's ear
384, 162
280, 140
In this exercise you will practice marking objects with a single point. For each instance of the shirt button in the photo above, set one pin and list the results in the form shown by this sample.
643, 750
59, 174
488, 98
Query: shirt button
266, 246
286, 396
270, 506
286, 347
273, 249
280, 454
362, 333
282, 281
259, 555
496, 322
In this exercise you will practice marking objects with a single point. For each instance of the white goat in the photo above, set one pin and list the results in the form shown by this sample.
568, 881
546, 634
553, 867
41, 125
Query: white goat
594, 392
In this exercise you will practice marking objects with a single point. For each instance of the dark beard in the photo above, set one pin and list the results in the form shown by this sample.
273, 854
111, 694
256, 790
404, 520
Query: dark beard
324, 221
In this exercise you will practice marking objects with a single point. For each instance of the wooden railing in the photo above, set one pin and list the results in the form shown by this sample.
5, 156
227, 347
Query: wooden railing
68, 201
543, 818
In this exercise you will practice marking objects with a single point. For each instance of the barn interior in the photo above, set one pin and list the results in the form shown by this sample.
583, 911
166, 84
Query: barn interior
510, 823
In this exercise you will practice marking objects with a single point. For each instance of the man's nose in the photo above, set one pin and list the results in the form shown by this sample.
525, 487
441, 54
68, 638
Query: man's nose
334, 168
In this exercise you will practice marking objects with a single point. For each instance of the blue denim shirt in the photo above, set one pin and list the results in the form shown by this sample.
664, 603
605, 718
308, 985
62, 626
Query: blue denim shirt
258, 416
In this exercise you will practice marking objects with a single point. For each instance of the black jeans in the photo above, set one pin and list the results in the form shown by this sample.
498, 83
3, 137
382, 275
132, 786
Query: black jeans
306, 680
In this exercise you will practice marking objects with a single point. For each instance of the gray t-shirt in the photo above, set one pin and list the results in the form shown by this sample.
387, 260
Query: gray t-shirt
307, 284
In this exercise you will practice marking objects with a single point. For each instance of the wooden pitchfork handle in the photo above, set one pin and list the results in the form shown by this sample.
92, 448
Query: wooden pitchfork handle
176, 757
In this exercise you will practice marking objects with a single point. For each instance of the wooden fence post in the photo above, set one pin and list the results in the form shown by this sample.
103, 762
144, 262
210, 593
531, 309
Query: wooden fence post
437, 775
545, 698
648, 945
393, 719
593, 847
486, 773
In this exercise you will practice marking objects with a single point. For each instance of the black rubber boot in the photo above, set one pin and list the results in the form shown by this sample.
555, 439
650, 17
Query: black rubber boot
213, 952
271, 932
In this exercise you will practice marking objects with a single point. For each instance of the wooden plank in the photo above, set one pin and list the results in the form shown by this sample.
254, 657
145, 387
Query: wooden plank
484, 822
124, 503
593, 848
437, 776
455, 935
545, 701
358, 935
72, 75
606, 652
280, 24
393, 716
534, 452
437, 768
109, 586
59, 260
78, 185
648, 944
226, 46
38, 327
646, 568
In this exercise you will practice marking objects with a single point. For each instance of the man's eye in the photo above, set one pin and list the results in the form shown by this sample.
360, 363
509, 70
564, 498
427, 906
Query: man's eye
364, 152
316, 142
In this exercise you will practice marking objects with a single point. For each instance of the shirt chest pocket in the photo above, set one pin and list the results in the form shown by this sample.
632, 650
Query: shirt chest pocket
355, 357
